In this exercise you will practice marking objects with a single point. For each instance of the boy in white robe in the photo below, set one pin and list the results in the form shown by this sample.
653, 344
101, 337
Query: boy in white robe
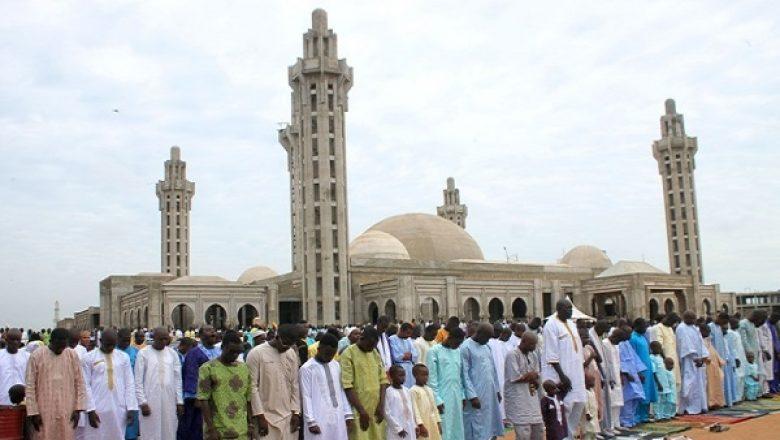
326, 411
158, 388
109, 377
13, 364
766, 353
398, 407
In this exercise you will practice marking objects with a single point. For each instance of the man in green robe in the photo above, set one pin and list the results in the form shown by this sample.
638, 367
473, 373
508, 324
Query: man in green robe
446, 380
364, 380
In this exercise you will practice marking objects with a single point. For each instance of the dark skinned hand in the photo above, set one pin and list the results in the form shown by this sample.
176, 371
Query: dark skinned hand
295, 422
364, 421
145, 410
441, 408
475, 403
350, 425
314, 429
74, 418
499, 397
94, 420
36, 421
379, 414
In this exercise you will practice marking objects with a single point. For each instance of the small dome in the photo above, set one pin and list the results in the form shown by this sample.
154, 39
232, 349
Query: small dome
430, 238
587, 256
256, 273
377, 244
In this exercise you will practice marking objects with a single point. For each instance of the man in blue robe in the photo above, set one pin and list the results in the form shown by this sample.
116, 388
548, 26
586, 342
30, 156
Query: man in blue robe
481, 415
123, 343
774, 384
446, 381
191, 424
718, 331
632, 370
403, 352
642, 347
692, 353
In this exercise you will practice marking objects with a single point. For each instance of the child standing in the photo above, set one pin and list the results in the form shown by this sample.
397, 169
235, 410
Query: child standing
426, 415
752, 385
666, 408
589, 423
398, 407
553, 413
660, 377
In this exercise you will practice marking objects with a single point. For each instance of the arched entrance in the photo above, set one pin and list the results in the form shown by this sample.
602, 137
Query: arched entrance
373, 312
429, 309
246, 314
606, 305
182, 317
707, 307
390, 309
668, 306
653, 308
724, 308
496, 309
471, 310
146, 316
216, 316
519, 308
138, 317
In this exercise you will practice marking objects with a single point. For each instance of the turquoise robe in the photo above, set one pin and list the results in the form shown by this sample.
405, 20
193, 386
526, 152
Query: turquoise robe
480, 380
446, 381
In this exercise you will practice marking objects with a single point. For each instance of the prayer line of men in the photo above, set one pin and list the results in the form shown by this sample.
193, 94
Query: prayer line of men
620, 368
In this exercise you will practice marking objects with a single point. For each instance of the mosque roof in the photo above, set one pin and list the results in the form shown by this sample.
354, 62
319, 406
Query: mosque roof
199, 280
430, 238
587, 256
256, 273
624, 267
377, 244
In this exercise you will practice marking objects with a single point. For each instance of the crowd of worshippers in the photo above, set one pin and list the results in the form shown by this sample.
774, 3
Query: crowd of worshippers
559, 379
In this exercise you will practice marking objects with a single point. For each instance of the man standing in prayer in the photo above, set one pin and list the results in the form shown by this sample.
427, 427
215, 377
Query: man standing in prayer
774, 386
276, 400
383, 345
749, 334
403, 352
734, 342
614, 389
767, 352
500, 348
225, 392
55, 390
108, 375
191, 425
481, 415
123, 343
692, 354
364, 380
642, 347
664, 334
522, 388
446, 380
633, 372
13, 364
158, 388
718, 333
425, 343
563, 362
326, 410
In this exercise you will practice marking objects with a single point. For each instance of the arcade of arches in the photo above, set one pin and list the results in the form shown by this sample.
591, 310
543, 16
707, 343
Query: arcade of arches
430, 310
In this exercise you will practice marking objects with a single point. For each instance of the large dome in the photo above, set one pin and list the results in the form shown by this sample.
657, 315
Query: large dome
256, 273
587, 256
430, 238
377, 244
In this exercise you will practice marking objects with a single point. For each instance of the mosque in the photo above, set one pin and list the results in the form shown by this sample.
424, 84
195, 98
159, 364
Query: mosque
409, 266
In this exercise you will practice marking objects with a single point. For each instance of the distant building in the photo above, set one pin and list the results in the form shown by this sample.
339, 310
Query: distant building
749, 301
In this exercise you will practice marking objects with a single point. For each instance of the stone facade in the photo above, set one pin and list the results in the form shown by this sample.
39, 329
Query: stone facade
314, 141
175, 197
87, 319
675, 155
452, 209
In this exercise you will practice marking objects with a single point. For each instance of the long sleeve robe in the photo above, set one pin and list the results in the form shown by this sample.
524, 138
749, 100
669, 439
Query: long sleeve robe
632, 365
425, 411
480, 380
775, 384
729, 382
765, 345
364, 373
422, 347
734, 342
666, 336
275, 392
499, 350
690, 346
110, 380
564, 347
399, 413
323, 400
612, 370
13, 368
398, 348
158, 384
55, 388
446, 381
714, 370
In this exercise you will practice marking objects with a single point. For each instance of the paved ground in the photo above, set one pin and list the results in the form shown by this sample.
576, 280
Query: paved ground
761, 428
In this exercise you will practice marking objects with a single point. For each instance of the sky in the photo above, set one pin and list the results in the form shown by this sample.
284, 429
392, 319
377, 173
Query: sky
543, 112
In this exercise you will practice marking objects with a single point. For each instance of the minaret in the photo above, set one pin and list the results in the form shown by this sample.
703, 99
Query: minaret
452, 210
675, 155
315, 145
175, 195
56, 313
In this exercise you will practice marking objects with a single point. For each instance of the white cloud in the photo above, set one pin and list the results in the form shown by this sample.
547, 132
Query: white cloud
544, 115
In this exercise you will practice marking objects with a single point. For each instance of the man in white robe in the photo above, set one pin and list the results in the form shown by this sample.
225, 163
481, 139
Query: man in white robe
326, 411
766, 353
734, 341
692, 353
563, 362
13, 364
76, 342
383, 346
158, 388
110, 379
500, 348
